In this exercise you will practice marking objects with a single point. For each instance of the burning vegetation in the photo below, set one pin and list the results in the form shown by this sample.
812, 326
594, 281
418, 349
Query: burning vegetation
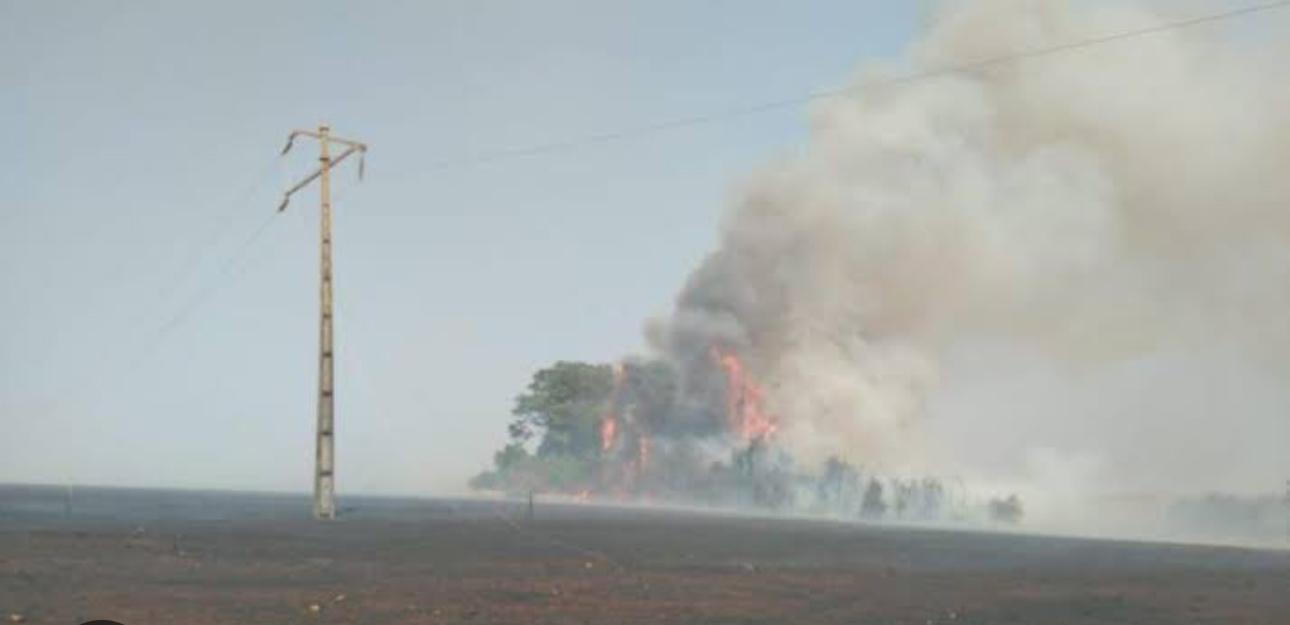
1005, 273
639, 431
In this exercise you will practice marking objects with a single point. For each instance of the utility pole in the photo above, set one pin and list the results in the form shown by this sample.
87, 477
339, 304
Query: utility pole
325, 458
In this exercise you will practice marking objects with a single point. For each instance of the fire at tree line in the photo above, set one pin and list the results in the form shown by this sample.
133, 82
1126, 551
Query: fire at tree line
640, 431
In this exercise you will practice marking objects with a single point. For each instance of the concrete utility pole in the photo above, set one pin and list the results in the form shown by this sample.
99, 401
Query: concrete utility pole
325, 461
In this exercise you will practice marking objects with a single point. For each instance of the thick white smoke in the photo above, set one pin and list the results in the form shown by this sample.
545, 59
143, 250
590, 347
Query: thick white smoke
1068, 275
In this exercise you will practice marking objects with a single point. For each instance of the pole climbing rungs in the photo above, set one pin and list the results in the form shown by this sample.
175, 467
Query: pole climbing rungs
324, 489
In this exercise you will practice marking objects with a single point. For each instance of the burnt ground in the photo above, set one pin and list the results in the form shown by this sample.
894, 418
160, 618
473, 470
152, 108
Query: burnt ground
202, 558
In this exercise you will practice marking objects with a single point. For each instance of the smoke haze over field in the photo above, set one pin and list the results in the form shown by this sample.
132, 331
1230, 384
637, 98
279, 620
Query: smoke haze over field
453, 285
1067, 276
1064, 276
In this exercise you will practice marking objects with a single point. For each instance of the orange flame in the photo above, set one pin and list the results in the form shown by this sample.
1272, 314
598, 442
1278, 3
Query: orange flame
624, 444
609, 423
608, 430
745, 412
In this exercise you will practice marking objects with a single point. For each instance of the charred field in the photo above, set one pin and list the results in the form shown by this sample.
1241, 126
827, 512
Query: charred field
204, 558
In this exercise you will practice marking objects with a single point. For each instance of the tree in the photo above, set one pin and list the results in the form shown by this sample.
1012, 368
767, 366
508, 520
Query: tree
1007, 510
838, 487
931, 499
650, 387
562, 408
873, 506
565, 403
511, 464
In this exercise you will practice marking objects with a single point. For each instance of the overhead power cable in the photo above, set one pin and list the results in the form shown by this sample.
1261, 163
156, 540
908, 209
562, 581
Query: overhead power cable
198, 252
221, 277
772, 105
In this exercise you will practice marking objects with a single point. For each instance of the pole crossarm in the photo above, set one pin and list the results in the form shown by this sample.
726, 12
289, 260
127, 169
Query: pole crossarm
325, 455
291, 139
357, 147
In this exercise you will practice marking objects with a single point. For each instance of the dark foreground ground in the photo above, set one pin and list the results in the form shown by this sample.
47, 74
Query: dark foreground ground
200, 558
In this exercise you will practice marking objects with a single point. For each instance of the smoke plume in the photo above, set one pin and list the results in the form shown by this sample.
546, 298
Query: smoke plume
1068, 275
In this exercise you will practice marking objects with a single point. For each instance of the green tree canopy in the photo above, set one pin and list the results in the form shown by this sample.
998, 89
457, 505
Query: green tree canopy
562, 409
564, 403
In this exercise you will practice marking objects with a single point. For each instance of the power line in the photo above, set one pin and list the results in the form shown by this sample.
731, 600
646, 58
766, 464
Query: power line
187, 267
224, 271
324, 465
231, 269
219, 232
92, 384
772, 105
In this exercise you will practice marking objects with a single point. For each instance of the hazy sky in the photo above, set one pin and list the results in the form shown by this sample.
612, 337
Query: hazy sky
140, 146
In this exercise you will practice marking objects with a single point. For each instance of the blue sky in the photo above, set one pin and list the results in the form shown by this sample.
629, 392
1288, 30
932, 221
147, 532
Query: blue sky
145, 344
